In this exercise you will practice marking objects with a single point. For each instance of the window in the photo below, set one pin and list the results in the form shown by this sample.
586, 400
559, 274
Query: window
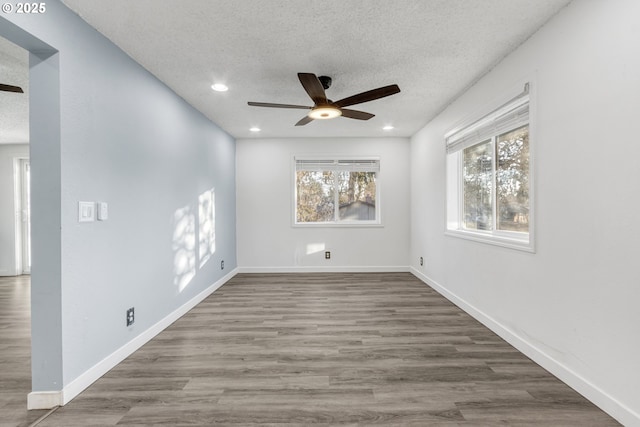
337, 191
489, 195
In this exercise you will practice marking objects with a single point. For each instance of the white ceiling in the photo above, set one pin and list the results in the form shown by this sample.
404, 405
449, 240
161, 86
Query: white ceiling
433, 49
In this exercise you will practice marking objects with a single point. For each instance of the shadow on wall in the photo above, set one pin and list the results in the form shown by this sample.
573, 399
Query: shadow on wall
194, 243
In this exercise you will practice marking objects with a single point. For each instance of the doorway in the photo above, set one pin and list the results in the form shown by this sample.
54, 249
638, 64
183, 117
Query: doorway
23, 198
41, 77
15, 224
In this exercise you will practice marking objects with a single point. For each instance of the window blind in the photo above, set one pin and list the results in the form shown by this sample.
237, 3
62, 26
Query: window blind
357, 165
507, 117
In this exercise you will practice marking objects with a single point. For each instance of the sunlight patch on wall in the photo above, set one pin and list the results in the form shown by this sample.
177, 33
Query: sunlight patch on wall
184, 247
313, 248
194, 239
206, 225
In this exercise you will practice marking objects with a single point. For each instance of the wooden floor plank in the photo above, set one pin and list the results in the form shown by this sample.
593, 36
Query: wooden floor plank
324, 349
15, 352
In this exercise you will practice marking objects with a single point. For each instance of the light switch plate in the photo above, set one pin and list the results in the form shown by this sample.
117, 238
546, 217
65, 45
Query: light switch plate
86, 211
103, 211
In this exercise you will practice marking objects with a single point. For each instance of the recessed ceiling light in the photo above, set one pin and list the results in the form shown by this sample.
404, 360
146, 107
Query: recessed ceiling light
219, 87
255, 129
388, 127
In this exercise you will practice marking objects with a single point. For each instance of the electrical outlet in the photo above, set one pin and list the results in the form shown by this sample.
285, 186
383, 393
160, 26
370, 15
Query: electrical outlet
327, 255
130, 316
421, 261
222, 265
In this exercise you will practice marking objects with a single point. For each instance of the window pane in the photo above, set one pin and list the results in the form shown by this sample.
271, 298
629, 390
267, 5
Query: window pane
315, 196
357, 195
512, 180
478, 181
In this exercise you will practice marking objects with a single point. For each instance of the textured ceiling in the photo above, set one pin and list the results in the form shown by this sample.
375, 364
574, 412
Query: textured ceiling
14, 107
433, 49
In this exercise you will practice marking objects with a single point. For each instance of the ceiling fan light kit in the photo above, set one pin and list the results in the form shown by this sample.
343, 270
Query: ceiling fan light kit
325, 112
324, 108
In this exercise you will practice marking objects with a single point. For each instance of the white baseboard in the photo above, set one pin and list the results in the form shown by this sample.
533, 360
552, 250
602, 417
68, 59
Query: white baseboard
44, 399
9, 273
51, 399
599, 397
331, 269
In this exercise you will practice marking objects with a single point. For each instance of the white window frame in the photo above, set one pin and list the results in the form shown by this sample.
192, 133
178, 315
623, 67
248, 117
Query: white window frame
515, 109
335, 163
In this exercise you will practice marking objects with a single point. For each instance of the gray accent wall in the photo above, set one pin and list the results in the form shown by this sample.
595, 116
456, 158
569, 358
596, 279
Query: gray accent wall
105, 130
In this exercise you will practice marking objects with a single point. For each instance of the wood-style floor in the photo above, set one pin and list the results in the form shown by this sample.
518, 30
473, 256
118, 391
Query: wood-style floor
15, 352
321, 349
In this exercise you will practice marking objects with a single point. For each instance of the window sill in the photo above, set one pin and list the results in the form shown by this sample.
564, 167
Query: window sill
338, 225
504, 241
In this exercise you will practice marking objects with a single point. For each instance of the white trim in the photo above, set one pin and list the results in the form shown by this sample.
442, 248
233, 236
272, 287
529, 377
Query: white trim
44, 399
453, 185
606, 402
342, 224
331, 162
493, 239
318, 269
51, 399
503, 98
512, 115
17, 220
24, 231
332, 156
338, 164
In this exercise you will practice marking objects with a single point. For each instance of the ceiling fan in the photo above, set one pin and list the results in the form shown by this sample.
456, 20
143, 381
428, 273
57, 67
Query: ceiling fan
9, 88
324, 108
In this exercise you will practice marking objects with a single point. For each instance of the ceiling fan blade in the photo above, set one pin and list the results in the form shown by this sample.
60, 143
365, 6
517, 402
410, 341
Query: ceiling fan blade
367, 96
304, 121
9, 88
355, 114
314, 88
269, 104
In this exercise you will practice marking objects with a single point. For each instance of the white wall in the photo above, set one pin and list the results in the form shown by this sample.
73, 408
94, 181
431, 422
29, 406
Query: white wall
8, 236
267, 241
573, 305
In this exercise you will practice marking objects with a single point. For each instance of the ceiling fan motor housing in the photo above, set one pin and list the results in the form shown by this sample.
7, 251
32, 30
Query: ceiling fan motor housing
325, 81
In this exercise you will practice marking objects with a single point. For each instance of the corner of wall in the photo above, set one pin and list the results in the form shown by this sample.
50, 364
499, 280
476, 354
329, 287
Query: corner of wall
51, 399
590, 391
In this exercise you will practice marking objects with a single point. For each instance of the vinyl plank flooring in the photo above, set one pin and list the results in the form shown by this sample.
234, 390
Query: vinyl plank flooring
327, 349
15, 352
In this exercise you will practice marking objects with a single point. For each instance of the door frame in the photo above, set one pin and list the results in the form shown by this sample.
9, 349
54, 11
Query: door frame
21, 167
